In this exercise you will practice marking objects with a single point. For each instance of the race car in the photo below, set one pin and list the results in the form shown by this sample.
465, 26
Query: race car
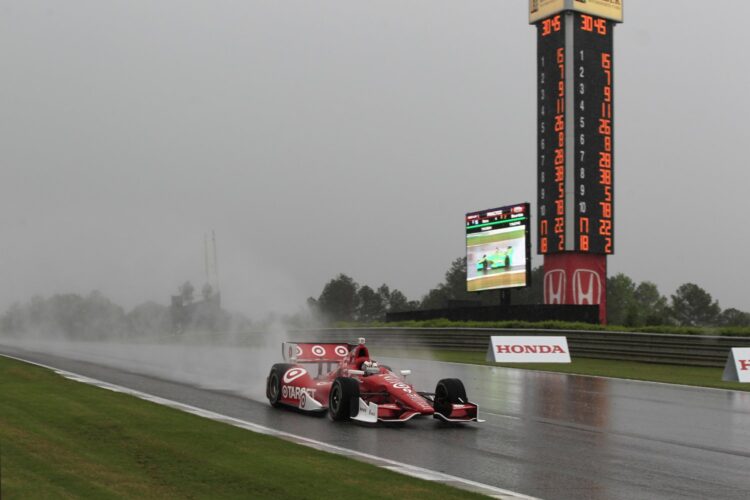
495, 261
344, 381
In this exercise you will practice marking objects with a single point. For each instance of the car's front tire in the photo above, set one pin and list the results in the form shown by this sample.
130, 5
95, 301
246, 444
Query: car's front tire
343, 400
449, 391
273, 383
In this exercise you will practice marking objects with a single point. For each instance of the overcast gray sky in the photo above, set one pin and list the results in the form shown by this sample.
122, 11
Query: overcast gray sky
312, 135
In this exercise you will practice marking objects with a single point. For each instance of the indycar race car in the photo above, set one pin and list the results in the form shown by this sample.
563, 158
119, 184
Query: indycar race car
342, 380
495, 261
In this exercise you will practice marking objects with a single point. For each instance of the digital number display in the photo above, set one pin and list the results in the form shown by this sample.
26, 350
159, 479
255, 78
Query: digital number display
594, 134
575, 163
498, 251
551, 134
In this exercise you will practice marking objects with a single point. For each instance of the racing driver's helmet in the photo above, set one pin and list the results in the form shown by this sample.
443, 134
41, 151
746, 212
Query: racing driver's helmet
370, 367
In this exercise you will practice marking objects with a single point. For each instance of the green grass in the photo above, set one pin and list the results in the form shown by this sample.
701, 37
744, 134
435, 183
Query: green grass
654, 372
64, 439
556, 325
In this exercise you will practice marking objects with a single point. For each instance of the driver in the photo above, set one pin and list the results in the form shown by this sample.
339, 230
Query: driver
370, 367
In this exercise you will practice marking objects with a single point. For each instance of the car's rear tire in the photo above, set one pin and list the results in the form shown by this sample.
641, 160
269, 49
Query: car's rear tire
343, 400
449, 391
273, 383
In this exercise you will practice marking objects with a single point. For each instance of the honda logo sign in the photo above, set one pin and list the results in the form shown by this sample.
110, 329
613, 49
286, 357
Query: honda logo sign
737, 368
554, 287
587, 287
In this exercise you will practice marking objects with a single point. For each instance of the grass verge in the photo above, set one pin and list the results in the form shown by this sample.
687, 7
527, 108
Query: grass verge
64, 439
653, 372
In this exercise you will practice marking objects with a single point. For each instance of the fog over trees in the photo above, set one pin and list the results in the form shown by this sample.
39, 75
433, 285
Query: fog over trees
342, 299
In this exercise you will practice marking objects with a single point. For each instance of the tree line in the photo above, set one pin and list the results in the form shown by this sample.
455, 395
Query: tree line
94, 316
628, 303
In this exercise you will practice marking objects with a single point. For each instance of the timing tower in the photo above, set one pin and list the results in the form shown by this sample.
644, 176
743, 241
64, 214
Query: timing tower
575, 146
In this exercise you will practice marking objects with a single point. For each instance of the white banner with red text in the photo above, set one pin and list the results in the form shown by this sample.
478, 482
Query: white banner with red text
528, 350
737, 368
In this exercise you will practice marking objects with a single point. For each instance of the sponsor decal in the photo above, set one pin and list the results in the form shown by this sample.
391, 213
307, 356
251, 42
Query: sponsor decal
319, 351
341, 350
554, 287
737, 368
587, 287
396, 383
294, 392
293, 374
399, 384
528, 350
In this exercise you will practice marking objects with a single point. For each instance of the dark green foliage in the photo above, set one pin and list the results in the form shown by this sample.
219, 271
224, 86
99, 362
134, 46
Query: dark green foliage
652, 306
338, 301
734, 317
621, 305
371, 305
693, 306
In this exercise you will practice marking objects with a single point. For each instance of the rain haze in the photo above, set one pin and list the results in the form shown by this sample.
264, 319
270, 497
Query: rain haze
320, 137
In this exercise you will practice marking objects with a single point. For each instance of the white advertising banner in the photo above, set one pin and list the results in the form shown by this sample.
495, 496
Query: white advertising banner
528, 350
737, 368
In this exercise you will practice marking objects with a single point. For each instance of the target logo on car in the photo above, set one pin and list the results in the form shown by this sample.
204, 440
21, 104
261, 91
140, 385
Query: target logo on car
341, 350
293, 374
319, 351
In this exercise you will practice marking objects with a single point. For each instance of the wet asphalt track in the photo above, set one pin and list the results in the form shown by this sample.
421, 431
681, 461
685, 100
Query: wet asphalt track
547, 435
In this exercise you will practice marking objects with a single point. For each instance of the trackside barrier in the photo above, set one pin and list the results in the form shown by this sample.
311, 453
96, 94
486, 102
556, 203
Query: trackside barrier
692, 350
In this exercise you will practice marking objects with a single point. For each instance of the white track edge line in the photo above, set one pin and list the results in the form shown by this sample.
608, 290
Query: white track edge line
393, 465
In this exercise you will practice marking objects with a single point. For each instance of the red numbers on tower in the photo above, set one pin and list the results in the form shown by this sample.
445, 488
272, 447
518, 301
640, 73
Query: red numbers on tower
551, 25
593, 125
605, 155
592, 24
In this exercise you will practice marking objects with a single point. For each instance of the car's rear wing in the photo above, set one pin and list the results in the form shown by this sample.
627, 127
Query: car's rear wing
308, 352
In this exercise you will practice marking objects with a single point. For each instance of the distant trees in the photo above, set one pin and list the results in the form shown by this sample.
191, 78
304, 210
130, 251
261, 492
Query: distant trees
94, 316
628, 303
187, 292
342, 299
693, 306
149, 317
66, 315
338, 300
734, 317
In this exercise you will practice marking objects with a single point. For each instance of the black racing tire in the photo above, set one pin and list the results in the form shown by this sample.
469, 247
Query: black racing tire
449, 391
273, 383
343, 400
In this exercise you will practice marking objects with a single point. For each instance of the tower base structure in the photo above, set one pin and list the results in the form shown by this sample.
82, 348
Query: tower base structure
574, 278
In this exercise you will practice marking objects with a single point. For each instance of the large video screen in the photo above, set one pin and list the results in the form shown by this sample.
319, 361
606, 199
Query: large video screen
498, 248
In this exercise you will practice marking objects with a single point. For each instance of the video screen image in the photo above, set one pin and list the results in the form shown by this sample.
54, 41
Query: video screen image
497, 248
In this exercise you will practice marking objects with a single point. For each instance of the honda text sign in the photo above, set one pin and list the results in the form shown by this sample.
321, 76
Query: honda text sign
737, 368
528, 350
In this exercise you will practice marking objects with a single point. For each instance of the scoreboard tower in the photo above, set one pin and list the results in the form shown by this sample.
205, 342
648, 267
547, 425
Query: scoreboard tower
575, 146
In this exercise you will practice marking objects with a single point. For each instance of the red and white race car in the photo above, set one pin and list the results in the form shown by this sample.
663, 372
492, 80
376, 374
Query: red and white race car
345, 381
